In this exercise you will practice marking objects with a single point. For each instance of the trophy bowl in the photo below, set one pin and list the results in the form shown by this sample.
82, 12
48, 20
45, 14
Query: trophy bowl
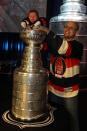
36, 36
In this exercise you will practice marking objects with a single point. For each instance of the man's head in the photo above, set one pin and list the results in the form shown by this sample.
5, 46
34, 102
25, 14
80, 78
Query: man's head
33, 15
70, 30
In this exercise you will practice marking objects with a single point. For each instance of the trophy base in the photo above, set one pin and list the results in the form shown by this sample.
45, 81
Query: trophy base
45, 120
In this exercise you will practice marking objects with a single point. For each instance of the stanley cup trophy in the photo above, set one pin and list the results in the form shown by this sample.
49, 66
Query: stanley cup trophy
29, 100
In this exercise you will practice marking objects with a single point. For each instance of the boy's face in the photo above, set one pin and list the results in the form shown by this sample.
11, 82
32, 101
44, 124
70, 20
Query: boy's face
33, 17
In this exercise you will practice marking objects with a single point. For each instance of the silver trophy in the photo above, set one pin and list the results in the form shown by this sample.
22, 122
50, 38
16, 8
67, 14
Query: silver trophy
29, 99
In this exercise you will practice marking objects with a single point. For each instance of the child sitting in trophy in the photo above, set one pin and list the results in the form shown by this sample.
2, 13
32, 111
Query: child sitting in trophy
32, 20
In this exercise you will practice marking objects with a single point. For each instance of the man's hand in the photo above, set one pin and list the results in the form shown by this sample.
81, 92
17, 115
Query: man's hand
28, 27
43, 28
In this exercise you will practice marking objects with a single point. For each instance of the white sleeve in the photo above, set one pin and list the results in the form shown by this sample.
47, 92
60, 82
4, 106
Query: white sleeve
63, 48
38, 23
23, 24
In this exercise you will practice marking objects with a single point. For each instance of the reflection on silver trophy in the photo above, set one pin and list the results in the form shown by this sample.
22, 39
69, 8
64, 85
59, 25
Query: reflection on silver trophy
29, 99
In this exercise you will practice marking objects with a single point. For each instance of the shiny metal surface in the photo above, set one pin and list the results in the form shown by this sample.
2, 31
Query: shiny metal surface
32, 36
76, 7
73, 10
81, 1
29, 100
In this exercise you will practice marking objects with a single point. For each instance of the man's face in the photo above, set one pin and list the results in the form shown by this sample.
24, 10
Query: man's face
33, 17
70, 30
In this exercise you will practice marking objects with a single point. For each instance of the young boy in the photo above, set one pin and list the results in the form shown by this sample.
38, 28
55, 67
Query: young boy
33, 20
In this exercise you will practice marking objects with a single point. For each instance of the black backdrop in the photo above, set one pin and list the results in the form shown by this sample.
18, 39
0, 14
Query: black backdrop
53, 8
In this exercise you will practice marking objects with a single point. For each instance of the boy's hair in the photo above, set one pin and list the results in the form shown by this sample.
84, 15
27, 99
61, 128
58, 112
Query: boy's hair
34, 11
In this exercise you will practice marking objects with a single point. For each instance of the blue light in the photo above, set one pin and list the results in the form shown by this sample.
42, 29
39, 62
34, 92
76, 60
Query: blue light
11, 45
18, 46
6, 45
22, 46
